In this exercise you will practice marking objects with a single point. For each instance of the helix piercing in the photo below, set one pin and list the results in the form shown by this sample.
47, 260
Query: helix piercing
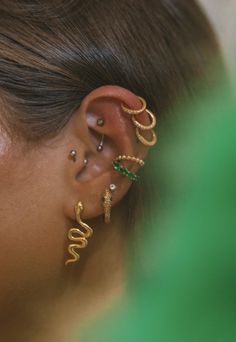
100, 146
135, 111
143, 127
145, 141
73, 155
77, 236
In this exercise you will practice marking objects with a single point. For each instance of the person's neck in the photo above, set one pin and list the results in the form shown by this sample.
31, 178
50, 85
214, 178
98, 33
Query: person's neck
49, 312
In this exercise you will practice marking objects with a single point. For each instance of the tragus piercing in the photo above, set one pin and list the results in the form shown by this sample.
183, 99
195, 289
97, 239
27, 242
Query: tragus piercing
73, 155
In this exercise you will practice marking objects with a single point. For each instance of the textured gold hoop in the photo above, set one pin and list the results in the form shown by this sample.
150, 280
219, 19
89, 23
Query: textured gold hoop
135, 111
145, 141
78, 236
143, 127
131, 158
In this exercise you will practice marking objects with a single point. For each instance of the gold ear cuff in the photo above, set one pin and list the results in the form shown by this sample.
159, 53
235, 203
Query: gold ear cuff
139, 126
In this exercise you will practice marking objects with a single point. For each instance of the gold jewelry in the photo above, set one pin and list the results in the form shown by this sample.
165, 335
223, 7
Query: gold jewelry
107, 204
143, 127
81, 238
135, 111
130, 158
145, 141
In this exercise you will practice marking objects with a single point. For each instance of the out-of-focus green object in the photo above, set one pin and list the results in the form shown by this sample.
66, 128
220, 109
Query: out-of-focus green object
183, 284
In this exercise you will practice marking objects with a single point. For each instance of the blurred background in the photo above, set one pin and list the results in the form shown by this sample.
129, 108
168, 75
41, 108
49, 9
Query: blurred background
222, 14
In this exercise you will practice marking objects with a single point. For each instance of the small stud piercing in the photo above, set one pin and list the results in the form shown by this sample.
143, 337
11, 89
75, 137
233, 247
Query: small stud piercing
100, 146
100, 122
112, 187
85, 161
73, 154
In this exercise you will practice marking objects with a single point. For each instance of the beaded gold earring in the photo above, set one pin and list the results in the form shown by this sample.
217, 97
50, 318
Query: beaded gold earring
124, 170
139, 127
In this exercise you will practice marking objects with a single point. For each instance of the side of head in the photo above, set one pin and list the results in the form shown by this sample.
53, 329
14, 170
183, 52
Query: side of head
63, 66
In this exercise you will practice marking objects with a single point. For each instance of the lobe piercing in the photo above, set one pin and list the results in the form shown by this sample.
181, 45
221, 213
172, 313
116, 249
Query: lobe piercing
72, 155
100, 146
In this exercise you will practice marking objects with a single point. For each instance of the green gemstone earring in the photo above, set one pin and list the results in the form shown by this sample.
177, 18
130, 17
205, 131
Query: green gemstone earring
124, 170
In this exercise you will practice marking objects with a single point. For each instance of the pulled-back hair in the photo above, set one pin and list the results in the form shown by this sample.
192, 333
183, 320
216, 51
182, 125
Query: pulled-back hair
53, 53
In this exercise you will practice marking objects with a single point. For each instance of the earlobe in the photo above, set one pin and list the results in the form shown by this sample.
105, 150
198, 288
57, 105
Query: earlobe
111, 147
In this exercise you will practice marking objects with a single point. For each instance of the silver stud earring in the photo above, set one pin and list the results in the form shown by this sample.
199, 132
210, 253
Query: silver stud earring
85, 161
73, 155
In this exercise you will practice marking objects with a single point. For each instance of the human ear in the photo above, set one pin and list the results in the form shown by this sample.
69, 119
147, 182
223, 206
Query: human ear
102, 131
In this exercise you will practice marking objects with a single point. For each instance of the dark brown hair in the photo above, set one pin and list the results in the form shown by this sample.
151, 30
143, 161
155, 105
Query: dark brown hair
53, 53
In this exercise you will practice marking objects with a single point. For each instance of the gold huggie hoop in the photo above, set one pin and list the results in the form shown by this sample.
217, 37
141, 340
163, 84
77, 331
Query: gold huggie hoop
81, 238
145, 141
135, 111
143, 127
130, 158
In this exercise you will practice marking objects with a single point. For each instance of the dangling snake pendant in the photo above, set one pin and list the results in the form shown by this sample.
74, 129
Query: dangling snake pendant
78, 236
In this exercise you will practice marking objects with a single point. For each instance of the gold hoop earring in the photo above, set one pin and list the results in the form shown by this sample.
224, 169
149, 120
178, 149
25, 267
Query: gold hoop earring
143, 127
135, 111
145, 141
130, 158
78, 236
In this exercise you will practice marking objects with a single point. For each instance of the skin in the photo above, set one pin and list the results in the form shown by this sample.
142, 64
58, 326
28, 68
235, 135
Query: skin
40, 186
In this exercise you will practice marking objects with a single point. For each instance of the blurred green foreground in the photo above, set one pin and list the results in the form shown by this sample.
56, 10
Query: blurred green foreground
183, 283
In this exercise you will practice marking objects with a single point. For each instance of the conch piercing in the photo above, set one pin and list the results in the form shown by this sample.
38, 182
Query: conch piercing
139, 126
124, 170
130, 158
73, 155
78, 236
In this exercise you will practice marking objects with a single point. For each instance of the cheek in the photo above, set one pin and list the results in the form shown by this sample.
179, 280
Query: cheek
32, 230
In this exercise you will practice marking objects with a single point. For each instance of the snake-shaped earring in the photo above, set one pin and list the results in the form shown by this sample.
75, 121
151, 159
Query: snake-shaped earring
78, 236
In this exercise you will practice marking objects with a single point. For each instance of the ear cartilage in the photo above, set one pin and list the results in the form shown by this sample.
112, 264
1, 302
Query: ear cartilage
73, 155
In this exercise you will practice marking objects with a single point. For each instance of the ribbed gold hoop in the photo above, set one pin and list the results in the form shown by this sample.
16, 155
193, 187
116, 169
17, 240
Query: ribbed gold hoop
143, 127
145, 141
135, 111
130, 158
